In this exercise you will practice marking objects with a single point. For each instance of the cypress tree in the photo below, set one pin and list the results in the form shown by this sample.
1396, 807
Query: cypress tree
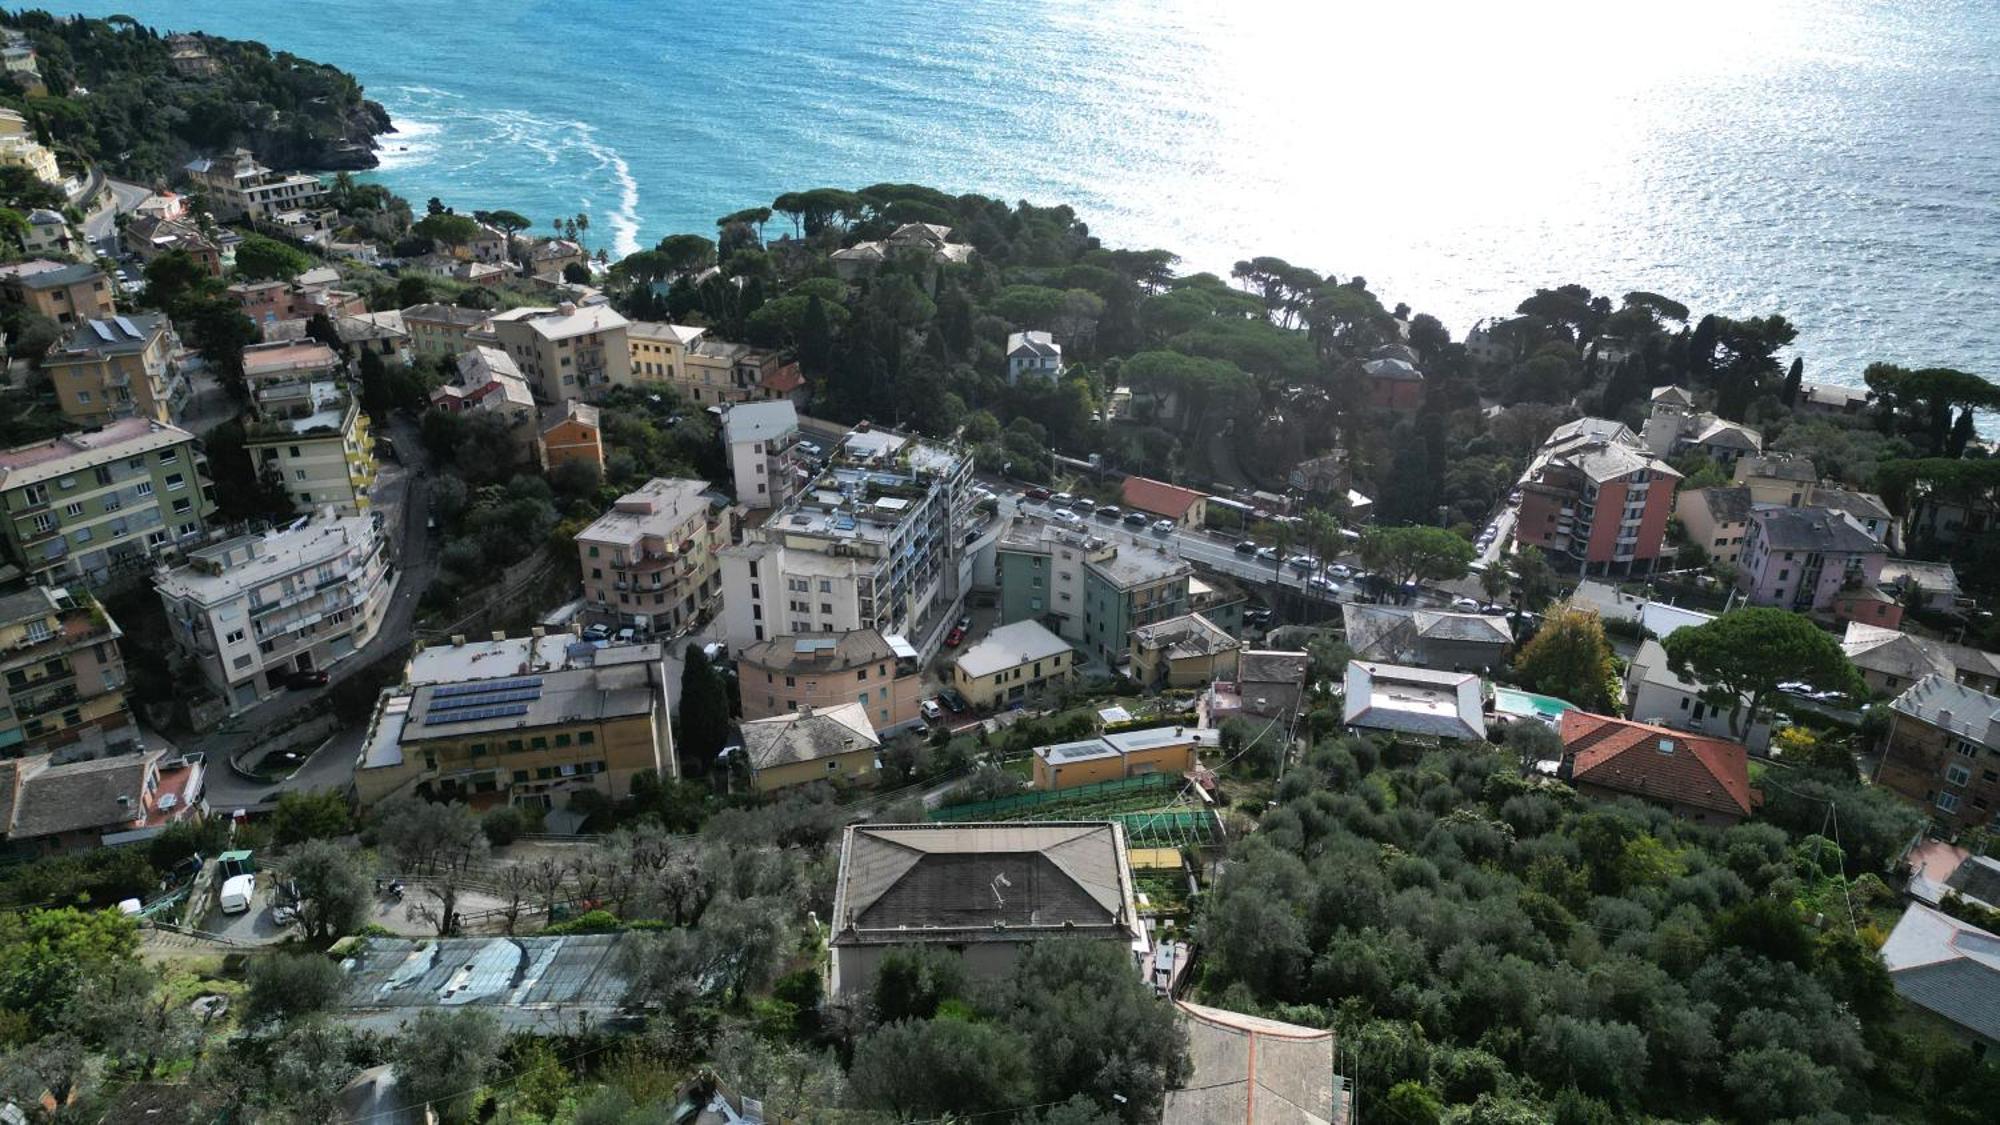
704, 713
1793, 380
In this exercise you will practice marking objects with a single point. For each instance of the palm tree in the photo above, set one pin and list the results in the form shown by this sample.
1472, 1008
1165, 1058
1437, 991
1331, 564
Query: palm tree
582, 225
1323, 536
1282, 540
1493, 580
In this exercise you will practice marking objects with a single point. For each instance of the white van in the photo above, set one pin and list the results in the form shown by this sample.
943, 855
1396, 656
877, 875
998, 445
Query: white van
237, 891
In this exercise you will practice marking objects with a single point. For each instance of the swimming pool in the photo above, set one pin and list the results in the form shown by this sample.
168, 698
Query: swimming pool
1523, 704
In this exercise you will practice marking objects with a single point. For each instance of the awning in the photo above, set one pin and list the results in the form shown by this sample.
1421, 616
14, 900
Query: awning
902, 648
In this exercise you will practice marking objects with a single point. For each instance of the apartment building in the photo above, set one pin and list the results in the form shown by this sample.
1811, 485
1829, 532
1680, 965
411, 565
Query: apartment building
527, 721
238, 187
762, 439
49, 806
50, 235
701, 368
309, 432
875, 541
659, 351
149, 237
566, 352
20, 149
1091, 592
1943, 753
1595, 499
487, 381
821, 670
64, 677
124, 367
1034, 355
254, 611
440, 331
1801, 558
1674, 427
65, 292
577, 436
92, 508
1010, 662
836, 743
650, 562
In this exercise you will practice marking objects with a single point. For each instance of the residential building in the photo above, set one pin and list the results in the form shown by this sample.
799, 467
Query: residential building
149, 237
762, 439
50, 235
1010, 662
488, 382
1114, 757
716, 371
1675, 428
576, 436
125, 367
1092, 592
1936, 583
1949, 968
553, 256
980, 892
927, 241
254, 611
491, 245
808, 745
1253, 1069
1943, 752
1033, 355
875, 541
1706, 780
67, 293
1716, 520
1325, 475
1830, 398
93, 508
824, 670
1782, 479
47, 807
1890, 661
1870, 605
650, 562
1184, 506
1391, 379
1418, 701
529, 738
380, 332
1269, 684
64, 687
238, 187
1593, 498
566, 352
1800, 558
1220, 600
659, 351
309, 433
1426, 638
188, 54
1656, 694
20, 149
439, 331
1184, 651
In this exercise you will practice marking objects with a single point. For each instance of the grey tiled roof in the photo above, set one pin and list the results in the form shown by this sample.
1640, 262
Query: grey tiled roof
807, 736
1812, 529
1950, 967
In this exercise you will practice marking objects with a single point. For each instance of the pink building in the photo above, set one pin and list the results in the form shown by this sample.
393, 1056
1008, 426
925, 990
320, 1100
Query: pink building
1593, 497
1801, 558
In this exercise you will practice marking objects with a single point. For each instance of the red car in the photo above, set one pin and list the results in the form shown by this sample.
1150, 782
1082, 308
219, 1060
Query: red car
1038, 494
952, 639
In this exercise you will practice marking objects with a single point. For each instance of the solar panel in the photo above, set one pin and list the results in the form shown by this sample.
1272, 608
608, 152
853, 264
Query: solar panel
485, 699
476, 714
481, 686
131, 330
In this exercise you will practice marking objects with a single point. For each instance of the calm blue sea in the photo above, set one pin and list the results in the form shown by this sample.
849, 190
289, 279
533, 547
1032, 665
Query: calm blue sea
1834, 160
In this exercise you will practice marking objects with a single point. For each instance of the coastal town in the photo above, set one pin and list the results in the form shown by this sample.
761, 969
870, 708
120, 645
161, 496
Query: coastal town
893, 658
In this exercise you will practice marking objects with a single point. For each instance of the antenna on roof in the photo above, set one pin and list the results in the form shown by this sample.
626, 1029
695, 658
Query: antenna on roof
1000, 880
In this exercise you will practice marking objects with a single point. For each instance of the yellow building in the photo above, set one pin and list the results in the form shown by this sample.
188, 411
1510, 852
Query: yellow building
566, 352
441, 331
529, 739
1185, 651
1114, 757
310, 434
119, 368
67, 293
62, 678
1010, 662
810, 745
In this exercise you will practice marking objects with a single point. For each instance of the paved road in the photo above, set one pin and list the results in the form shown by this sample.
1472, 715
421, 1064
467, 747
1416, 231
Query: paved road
403, 496
100, 224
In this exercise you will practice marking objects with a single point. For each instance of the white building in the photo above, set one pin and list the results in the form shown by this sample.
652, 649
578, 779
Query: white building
253, 611
875, 541
1655, 694
566, 352
762, 438
1417, 701
1033, 355
238, 187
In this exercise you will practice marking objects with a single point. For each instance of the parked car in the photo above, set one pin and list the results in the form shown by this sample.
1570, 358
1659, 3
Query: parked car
627, 635
1135, 519
312, 678
237, 891
931, 711
1083, 504
954, 701
1268, 554
1324, 584
597, 633
1340, 570
1465, 605
1109, 512
1247, 547
1037, 494
715, 650
1063, 515
1164, 527
954, 638
1062, 498
1304, 564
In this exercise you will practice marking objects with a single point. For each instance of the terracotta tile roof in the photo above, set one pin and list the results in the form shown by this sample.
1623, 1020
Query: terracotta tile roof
1159, 497
1657, 763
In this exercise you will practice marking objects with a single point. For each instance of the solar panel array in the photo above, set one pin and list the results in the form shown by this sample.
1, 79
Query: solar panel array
474, 714
525, 695
481, 687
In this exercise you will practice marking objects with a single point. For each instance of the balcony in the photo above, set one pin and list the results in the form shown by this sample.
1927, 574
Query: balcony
62, 697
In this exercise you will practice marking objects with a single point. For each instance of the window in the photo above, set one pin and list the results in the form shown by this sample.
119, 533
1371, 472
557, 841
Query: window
183, 506
1948, 802
1966, 749
791, 681
144, 488
585, 737
234, 636
83, 397
295, 451
1957, 774
45, 522
562, 740
826, 585
169, 456
176, 482
83, 535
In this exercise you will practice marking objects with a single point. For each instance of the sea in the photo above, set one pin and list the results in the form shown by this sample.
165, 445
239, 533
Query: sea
1836, 161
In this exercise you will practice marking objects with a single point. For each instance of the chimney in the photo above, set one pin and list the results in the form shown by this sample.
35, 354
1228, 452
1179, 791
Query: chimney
458, 640
538, 632
499, 634
567, 308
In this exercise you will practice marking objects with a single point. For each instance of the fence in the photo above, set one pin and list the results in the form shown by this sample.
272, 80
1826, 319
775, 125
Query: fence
1012, 808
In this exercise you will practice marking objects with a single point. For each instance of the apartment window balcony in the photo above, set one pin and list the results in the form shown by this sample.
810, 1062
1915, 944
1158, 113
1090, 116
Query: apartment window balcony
65, 696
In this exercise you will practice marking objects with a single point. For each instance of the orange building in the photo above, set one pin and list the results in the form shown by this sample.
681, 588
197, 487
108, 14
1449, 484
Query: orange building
1114, 757
824, 670
578, 436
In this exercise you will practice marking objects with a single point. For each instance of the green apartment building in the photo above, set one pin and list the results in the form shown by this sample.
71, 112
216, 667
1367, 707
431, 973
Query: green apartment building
91, 508
1089, 591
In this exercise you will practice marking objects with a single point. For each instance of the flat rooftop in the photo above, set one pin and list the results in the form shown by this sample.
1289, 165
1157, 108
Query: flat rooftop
544, 984
234, 566
538, 699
